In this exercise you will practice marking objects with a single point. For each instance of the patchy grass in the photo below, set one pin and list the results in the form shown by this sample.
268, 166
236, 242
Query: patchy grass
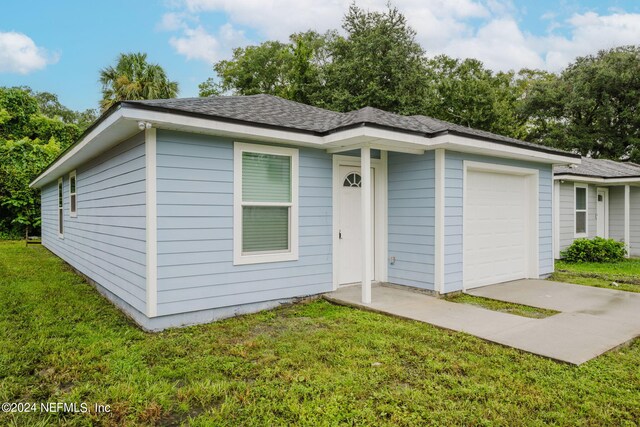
306, 364
625, 273
627, 267
502, 306
593, 281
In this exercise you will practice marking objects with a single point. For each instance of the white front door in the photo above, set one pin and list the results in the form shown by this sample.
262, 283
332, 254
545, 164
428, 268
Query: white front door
350, 225
602, 213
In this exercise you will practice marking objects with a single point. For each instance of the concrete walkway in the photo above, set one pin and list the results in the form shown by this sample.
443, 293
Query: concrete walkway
592, 320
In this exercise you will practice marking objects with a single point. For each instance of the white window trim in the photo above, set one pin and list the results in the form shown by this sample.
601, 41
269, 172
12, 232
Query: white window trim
585, 210
60, 187
255, 258
73, 213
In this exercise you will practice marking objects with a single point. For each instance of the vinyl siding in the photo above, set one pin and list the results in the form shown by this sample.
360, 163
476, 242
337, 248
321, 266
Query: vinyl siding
195, 229
567, 213
634, 223
616, 213
107, 239
411, 183
453, 233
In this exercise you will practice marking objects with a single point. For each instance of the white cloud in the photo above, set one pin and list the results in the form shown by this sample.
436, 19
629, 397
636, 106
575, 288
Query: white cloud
196, 43
171, 21
500, 45
488, 30
590, 32
19, 54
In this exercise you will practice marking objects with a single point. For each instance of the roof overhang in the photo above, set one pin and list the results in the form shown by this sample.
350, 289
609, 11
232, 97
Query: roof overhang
123, 121
597, 179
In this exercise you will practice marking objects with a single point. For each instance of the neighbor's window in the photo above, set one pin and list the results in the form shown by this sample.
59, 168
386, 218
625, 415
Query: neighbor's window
265, 214
60, 209
72, 195
581, 211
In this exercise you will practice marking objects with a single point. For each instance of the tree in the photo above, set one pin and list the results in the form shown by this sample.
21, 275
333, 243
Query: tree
26, 119
592, 107
20, 162
289, 70
466, 93
134, 78
377, 64
34, 128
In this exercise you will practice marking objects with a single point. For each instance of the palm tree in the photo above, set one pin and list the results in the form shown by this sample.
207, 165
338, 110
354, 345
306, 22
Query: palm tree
134, 78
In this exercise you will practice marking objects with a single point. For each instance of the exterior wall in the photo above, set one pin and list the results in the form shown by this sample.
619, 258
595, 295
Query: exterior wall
567, 213
453, 233
195, 229
634, 222
107, 240
616, 212
411, 219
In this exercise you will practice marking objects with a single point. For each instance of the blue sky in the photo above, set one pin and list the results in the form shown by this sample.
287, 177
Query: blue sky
60, 46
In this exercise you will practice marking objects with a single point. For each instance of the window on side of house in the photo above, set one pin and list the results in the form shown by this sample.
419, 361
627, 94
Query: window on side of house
265, 204
60, 208
580, 211
73, 200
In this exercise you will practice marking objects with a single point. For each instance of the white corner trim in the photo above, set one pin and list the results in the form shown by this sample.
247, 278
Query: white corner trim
556, 220
627, 219
73, 213
586, 210
292, 254
151, 221
439, 219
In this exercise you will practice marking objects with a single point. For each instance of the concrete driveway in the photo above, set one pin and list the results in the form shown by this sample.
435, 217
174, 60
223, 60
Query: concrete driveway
591, 320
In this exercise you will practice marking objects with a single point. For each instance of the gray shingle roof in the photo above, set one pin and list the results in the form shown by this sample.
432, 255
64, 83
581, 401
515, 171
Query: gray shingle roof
272, 111
600, 168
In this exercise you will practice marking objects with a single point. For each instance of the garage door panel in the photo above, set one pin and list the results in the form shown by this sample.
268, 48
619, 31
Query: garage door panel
495, 228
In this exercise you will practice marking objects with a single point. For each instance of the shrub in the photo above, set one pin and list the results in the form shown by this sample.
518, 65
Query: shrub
594, 250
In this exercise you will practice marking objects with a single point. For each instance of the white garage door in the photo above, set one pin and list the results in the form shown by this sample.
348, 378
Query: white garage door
496, 217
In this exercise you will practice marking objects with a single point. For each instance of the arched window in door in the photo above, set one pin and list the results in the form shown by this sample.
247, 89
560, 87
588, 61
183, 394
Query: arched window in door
353, 179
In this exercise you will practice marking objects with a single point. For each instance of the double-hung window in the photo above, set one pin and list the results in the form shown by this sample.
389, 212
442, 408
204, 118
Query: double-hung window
73, 201
265, 204
60, 208
580, 211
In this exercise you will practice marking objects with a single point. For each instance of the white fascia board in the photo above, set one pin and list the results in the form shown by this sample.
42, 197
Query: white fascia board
487, 148
596, 180
61, 166
122, 124
181, 122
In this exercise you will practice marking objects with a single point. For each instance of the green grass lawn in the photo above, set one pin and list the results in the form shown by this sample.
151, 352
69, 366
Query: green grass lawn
307, 364
625, 273
502, 306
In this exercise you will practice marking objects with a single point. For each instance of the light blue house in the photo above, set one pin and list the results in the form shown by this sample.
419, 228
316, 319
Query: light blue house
597, 198
190, 210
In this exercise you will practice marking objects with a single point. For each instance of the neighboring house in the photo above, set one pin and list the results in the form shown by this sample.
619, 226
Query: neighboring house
190, 210
597, 198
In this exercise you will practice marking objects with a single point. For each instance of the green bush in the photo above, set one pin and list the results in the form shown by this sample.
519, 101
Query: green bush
594, 250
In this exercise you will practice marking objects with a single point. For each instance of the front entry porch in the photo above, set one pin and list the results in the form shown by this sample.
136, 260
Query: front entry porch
587, 326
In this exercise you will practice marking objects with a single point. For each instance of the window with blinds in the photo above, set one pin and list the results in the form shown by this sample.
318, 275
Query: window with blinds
266, 206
